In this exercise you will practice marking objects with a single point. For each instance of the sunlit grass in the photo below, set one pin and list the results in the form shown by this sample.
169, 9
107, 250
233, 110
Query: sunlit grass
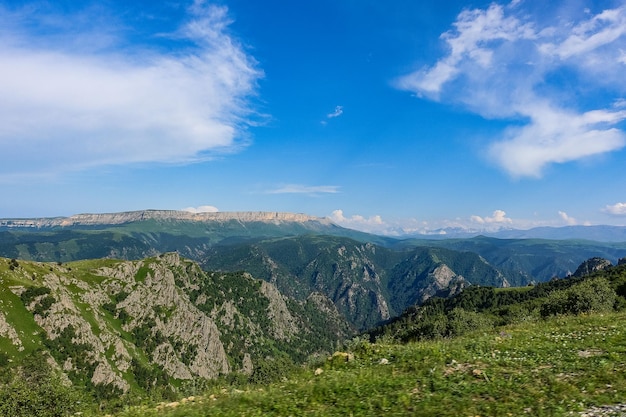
545, 368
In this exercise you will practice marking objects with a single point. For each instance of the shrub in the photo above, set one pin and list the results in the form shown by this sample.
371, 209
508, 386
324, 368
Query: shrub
461, 321
42, 307
518, 313
35, 390
594, 295
271, 369
33, 292
360, 345
148, 377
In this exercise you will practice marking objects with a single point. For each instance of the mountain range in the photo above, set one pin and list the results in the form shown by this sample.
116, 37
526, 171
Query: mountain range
600, 233
368, 278
126, 302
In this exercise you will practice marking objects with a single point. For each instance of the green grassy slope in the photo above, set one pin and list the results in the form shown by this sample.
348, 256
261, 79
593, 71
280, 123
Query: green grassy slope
547, 368
550, 350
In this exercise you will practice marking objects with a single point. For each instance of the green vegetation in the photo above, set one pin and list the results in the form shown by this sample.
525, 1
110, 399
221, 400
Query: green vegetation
549, 368
487, 307
547, 350
361, 279
523, 260
34, 389
118, 338
588, 296
542, 350
43, 304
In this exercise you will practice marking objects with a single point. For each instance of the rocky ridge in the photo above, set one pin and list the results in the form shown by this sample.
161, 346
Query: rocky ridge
592, 265
163, 215
367, 283
119, 324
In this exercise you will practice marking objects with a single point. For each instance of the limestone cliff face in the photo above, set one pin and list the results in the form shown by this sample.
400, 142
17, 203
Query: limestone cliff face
284, 324
164, 215
64, 315
7, 331
152, 302
116, 323
592, 265
184, 324
349, 277
442, 278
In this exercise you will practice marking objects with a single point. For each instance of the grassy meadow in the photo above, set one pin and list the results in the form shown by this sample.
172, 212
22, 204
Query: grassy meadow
549, 367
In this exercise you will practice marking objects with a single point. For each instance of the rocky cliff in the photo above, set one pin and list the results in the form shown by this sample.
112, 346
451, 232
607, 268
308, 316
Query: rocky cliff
592, 265
367, 283
162, 215
115, 325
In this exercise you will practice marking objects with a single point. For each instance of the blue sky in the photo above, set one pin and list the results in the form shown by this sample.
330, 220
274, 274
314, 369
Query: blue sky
391, 117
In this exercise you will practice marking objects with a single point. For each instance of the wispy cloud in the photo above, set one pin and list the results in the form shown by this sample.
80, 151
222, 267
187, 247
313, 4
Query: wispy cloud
305, 189
617, 209
67, 108
499, 64
338, 112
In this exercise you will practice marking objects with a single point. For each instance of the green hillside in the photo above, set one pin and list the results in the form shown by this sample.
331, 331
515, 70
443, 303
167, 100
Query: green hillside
559, 366
528, 260
367, 283
136, 235
556, 349
158, 327
160, 337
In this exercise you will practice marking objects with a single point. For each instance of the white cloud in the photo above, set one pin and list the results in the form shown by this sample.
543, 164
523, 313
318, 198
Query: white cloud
336, 113
499, 64
338, 216
498, 217
589, 35
373, 224
305, 189
401, 227
67, 109
473, 224
557, 136
470, 43
201, 209
567, 219
617, 209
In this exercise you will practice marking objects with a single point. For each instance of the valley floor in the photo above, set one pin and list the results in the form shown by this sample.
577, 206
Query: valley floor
562, 366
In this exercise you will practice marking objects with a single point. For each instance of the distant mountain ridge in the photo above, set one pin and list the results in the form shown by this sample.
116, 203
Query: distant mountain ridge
521, 255
598, 233
89, 219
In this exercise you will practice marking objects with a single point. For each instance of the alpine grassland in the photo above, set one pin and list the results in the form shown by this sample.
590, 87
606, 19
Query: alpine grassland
556, 366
